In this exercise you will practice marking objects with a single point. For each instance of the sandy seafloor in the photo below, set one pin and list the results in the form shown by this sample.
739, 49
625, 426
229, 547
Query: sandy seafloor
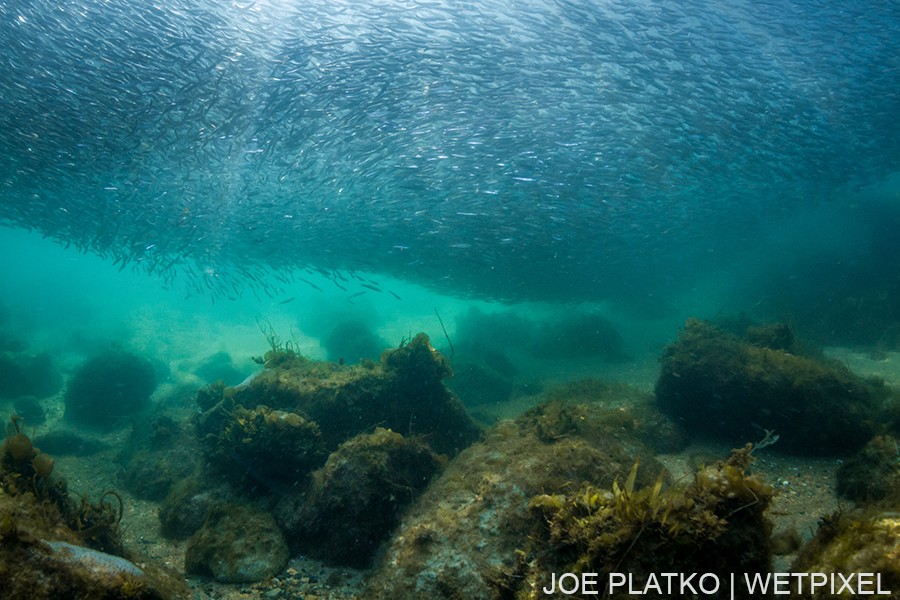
804, 493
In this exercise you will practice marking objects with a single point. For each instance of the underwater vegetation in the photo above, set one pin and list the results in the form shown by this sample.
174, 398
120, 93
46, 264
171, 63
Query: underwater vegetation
403, 392
52, 546
264, 447
714, 524
314, 449
356, 499
108, 389
719, 385
462, 538
861, 541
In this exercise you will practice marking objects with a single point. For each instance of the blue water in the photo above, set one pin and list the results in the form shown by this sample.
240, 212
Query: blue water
514, 150
547, 188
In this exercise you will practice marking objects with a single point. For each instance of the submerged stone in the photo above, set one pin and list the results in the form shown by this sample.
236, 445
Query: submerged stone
237, 545
358, 497
469, 525
720, 386
108, 389
28, 374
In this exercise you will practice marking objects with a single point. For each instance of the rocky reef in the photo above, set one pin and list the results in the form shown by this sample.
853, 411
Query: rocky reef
462, 538
357, 498
715, 524
317, 448
52, 546
722, 386
108, 389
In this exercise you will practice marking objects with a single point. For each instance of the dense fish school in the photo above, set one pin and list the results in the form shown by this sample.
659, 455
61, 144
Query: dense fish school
514, 149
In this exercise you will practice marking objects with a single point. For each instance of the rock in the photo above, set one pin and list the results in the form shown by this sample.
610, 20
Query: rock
873, 473
220, 367
28, 374
237, 545
108, 389
358, 497
720, 386
850, 543
466, 528
186, 507
30, 409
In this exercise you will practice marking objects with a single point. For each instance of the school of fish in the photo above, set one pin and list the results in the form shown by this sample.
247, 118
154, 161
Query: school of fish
511, 149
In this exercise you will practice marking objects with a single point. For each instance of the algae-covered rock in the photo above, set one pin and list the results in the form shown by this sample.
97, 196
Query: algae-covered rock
595, 410
52, 546
150, 475
108, 389
25, 373
220, 367
715, 524
351, 341
579, 336
861, 542
873, 473
188, 503
404, 392
476, 384
263, 447
357, 498
465, 530
720, 386
237, 545
31, 409
159, 453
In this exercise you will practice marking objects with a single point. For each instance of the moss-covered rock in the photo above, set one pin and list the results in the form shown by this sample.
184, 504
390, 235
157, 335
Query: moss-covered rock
860, 542
595, 410
24, 373
464, 531
715, 524
54, 547
159, 453
265, 448
236, 545
357, 498
404, 392
873, 473
188, 503
108, 389
720, 386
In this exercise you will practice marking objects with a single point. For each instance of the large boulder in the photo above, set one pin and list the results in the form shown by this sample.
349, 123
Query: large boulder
469, 525
236, 545
358, 497
718, 385
108, 389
